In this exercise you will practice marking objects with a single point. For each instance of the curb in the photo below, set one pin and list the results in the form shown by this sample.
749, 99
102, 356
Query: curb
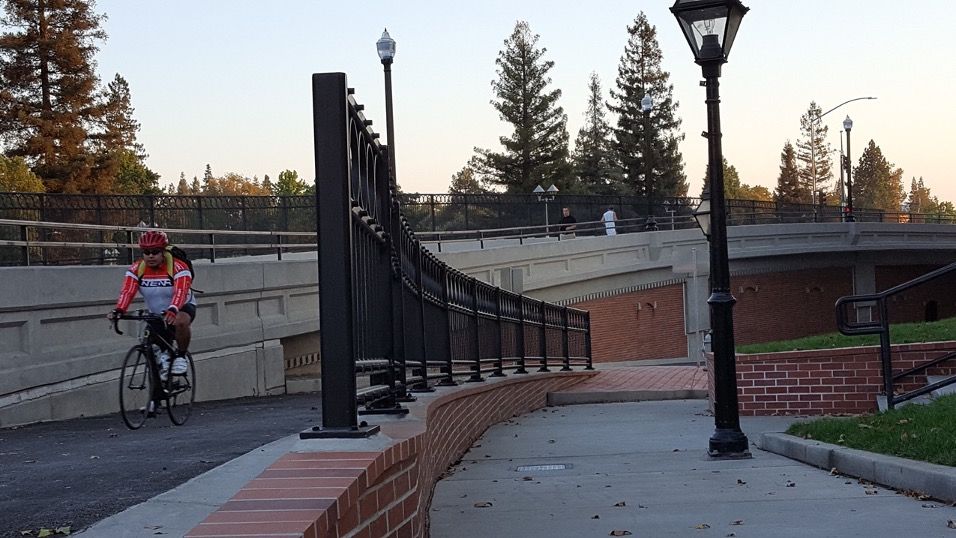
937, 481
595, 397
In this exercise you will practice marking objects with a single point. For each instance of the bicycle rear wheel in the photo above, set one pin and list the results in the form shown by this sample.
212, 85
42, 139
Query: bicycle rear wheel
136, 387
181, 391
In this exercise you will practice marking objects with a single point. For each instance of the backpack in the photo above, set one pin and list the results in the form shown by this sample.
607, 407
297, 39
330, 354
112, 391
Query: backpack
171, 254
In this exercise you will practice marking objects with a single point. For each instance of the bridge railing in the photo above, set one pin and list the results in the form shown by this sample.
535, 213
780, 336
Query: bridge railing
24, 242
389, 309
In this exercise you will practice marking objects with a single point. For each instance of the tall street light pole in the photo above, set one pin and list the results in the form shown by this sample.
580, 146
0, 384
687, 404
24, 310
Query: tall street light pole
710, 27
813, 145
647, 103
386, 52
847, 125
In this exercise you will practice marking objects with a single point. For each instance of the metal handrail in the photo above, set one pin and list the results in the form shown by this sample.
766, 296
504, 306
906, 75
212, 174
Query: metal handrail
881, 327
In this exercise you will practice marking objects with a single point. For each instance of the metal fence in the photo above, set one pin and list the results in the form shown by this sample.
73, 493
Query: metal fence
389, 309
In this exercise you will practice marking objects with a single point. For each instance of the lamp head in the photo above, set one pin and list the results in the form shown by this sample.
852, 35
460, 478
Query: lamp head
847, 124
702, 212
386, 47
709, 26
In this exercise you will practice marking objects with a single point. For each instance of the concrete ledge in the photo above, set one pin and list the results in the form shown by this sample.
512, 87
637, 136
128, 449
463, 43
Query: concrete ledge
574, 398
937, 481
382, 485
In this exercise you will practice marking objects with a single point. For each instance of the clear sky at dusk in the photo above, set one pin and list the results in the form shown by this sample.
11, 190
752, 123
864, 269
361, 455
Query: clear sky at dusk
227, 82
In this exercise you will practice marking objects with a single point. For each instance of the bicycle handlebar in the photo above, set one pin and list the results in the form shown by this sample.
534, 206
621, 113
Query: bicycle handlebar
140, 315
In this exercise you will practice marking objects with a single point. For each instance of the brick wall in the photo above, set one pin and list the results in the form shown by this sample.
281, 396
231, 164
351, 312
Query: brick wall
915, 303
831, 381
786, 305
338, 490
646, 324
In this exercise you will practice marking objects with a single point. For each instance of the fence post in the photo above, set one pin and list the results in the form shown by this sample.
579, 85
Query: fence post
565, 343
587, 340
448, 380
423, 348
499, 364
25, 237
521, 325
431, 205
476, 375
334, 223
542, 307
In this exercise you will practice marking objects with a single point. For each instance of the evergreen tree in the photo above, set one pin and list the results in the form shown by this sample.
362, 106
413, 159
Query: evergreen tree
267, 184
208, 180
920, 199
118, 127
646, 145
465, 181
877, 183
183, 186
131, 175
593, 158
790, 189
536, 153
15, 176
813, 147
48, 88
195, 187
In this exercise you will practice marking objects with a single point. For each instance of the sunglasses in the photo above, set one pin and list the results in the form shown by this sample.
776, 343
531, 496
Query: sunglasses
151, 252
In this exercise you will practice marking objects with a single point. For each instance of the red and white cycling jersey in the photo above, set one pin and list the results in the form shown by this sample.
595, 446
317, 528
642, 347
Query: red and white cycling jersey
159, 293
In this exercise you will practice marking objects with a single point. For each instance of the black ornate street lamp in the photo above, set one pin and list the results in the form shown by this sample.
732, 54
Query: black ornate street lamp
710, 27
847, 125
386, 52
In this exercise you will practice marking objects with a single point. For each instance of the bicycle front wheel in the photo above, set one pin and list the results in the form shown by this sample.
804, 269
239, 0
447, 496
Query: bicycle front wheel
136, 387
180, 393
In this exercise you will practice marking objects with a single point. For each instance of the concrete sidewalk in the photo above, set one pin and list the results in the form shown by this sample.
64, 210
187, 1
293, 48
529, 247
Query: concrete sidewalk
640, 469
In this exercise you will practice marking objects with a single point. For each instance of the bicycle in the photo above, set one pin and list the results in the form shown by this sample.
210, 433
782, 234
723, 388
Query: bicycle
142, 387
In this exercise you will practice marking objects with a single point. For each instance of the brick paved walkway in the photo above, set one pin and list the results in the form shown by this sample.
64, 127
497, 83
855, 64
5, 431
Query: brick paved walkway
645, 378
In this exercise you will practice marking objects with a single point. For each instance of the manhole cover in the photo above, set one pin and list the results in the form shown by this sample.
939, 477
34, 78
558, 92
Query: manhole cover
550, 467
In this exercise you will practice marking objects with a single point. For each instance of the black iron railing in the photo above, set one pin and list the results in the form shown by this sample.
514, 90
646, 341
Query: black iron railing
424, 212
389, 309
870, 314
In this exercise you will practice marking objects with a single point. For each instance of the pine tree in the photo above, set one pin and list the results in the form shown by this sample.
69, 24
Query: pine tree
183, 186
208, 181
790, 189
920, 199
646, 146
465, 181
118, 127
813, 147
536, 153
48, 88
195, 187
593, 158
877, 183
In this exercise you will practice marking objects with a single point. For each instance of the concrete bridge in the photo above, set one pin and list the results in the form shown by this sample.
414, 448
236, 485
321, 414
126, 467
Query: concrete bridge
647, 292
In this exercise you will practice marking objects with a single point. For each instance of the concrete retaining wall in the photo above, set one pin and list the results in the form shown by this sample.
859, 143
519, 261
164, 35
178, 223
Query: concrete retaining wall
58, 353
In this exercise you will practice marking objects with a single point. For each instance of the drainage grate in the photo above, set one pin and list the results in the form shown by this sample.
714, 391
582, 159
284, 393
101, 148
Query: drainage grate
551, 467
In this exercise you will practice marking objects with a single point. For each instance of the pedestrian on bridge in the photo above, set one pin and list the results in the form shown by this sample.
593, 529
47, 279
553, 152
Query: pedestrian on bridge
608, 218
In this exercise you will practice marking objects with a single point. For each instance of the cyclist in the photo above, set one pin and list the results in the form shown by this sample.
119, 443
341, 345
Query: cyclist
164, 282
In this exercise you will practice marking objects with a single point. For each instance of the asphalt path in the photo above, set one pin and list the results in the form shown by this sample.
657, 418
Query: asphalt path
74, 473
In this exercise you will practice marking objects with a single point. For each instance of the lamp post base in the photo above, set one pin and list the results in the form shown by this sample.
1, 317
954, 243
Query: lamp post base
727, 444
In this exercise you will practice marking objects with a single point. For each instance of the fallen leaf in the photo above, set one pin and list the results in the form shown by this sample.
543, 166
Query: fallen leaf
701, 526
595, 516
951, 524
834, 471
551, 440
620, 504
903, 421
737, 522
44, 532
63, 530
28, 532
730, 534
527, 478
620, 533
867, 426
483, 504
740, 482
791, 484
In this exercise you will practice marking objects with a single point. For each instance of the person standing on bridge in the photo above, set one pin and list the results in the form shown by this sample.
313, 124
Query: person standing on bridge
568, 223
165, 283
608, 219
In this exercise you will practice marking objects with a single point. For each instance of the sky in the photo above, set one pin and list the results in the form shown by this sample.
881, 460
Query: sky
227, 82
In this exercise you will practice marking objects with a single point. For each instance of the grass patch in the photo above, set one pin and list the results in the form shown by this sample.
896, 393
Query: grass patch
918, 432
901, 333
